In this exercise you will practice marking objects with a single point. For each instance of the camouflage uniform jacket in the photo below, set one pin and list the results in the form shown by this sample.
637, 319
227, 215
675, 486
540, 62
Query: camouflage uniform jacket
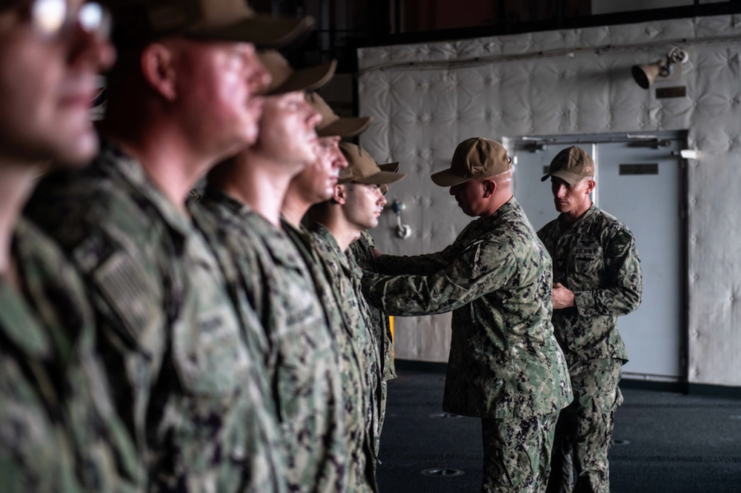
362, 251
176, 358
300, 359
59, 429
496, 278
346, 277
597, 260
356, 394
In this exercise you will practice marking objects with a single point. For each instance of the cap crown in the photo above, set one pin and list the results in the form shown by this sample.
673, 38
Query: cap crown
360, 164
328, 116
332, 125
479, 157
362, 168
574, 160
142, 21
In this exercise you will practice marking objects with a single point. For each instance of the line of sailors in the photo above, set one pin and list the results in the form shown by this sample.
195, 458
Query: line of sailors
162, 338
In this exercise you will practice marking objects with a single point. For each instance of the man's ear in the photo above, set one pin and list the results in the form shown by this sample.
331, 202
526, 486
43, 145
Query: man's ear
490, 186
158, 68
340, 194
590, 186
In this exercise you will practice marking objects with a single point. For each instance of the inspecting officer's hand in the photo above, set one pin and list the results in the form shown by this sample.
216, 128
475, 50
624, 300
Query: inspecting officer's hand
563, 297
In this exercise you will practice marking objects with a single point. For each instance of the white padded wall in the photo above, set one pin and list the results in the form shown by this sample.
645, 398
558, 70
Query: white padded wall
424, 101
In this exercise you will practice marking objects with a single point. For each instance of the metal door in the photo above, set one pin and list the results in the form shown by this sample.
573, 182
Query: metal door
640, 180
642, 187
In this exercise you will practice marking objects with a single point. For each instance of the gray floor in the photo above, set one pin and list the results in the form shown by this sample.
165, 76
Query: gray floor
678, 443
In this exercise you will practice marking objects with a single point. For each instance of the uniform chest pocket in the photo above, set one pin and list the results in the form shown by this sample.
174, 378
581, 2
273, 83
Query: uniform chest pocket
587, 260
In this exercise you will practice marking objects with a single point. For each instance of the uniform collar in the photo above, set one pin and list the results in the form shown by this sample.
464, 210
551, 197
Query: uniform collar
112, 157
328, 237
580, 223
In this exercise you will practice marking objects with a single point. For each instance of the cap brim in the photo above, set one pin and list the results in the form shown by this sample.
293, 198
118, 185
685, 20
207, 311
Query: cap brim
570, 178
308, 79
390, 167
446, 178
262, 30
381, 178
345, 127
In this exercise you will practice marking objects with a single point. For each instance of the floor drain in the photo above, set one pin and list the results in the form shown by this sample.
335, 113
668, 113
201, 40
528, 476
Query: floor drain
445, 415
447, 473
618, 443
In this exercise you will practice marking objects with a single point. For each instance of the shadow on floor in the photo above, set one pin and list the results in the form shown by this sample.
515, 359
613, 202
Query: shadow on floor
678, 443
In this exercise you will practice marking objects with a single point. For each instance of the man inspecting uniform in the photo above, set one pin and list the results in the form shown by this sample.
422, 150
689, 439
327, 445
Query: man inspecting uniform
597, 277
505, 365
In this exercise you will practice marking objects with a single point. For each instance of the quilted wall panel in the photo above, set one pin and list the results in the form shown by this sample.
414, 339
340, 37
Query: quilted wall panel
426, 98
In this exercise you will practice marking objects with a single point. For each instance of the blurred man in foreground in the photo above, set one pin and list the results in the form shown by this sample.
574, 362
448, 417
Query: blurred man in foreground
59, 429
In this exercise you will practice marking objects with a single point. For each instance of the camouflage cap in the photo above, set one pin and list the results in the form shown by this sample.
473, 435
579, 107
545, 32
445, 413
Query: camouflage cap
332, 125
571, 165
362, 168
139, 22
285, 79
474, 158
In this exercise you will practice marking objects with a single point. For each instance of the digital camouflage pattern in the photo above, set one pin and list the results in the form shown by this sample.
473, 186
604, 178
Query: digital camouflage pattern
300, 361
175, 354
584, 429
496, 278
362, 252
347, 276
517, 453
356, 393
58, 428
35, 451
597, 260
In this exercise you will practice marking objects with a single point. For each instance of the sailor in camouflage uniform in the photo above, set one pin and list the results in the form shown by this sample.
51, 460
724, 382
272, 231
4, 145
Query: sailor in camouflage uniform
505, 365
245, 195
312, 186
356, 204
597, 277
180, 347
59, 430
361, 252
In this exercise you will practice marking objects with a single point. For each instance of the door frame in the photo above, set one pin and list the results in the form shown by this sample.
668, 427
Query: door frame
531, 143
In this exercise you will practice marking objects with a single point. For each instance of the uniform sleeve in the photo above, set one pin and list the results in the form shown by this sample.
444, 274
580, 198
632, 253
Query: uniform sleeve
624, 281
421, 265
482, 268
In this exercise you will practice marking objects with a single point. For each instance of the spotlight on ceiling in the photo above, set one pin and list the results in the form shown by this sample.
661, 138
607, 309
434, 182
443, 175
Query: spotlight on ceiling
645, 75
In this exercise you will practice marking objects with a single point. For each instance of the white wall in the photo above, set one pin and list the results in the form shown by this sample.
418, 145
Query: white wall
580, 84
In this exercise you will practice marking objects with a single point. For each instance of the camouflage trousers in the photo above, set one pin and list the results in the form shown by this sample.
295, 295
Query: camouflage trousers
584, 429
517, 453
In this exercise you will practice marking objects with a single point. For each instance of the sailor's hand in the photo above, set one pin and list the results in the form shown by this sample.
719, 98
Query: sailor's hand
376, 253
563, 297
